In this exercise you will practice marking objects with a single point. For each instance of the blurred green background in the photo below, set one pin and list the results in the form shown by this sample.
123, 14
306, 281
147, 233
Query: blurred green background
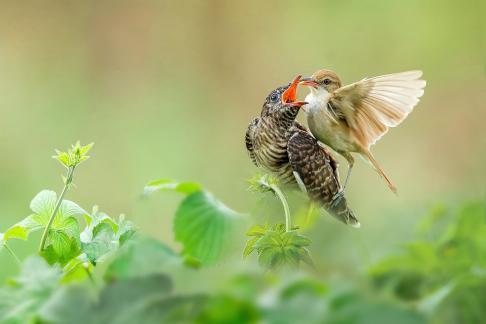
167, 89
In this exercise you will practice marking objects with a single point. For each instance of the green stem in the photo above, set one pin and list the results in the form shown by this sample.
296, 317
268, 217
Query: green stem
12, 253
68, 181
281, 196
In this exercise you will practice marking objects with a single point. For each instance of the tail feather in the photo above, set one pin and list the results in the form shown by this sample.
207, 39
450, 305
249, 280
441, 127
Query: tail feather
380, 171
340, 210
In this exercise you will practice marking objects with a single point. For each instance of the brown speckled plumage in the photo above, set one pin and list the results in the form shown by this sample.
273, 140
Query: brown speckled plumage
279, 144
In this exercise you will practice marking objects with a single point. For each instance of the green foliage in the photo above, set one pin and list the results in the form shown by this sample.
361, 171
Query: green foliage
353, 307
62, 242
103, 235
280, 245
24, 296
262, 183
278, 248
63, 236
141, 257
443, 272
74, 156
440, 277
204, 225
42, 207
137, 300
171, 185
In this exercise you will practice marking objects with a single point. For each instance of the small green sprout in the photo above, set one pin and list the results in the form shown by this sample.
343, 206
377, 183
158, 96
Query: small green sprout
74, 156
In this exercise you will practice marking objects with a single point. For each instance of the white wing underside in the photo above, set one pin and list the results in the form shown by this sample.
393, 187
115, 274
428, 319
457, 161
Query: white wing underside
373, 105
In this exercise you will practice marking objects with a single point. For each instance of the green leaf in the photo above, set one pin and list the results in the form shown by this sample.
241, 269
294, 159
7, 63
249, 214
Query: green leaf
21, 299
230, 309
257, 230
69, 304
250, 246
171, 185
353, 308
94, 219
298, 298
140, 257
103, 236
63, 241
22, 229
62, 249
125, 230
76, 270
43, 205
63, 236
102, 243
203, 225
136, 300
287, 249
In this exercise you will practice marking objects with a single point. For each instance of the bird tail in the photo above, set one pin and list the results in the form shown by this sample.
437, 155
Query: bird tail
340, 210
380, 171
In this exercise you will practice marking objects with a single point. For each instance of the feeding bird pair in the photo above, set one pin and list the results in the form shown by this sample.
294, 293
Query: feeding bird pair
349, 119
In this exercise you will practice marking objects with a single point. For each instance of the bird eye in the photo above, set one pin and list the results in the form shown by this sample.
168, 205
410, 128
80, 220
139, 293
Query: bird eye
274, 97
327, 81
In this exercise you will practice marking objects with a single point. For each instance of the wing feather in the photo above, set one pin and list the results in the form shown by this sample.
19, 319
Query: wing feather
314, 170
249, 140
373, 105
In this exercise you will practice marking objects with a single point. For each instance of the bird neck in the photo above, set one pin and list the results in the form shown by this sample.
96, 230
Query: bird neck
316, 99
285, 118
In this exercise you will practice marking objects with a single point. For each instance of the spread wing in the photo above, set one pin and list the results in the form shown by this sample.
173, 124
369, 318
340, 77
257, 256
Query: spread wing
373, 105
249, 140
313, 168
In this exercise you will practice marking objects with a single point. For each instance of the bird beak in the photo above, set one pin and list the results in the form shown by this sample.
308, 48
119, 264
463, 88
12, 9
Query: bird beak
309, 82
289, 95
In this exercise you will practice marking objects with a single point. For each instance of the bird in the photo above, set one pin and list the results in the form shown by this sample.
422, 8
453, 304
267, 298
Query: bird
352, 118
276, 142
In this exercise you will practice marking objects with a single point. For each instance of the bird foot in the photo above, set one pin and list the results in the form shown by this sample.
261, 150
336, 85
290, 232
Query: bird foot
337, 198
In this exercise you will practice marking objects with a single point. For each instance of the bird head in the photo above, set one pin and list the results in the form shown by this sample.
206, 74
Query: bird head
283, 99
322, 80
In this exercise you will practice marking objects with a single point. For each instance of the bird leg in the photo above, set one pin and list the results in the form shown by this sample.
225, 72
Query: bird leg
340, 195
350, 160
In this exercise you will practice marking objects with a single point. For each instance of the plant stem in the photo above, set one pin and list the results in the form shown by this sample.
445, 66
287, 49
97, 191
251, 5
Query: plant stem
68, 181
12, 253
281, 196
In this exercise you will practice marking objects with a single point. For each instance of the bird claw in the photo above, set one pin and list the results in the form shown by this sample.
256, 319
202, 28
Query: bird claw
337, 198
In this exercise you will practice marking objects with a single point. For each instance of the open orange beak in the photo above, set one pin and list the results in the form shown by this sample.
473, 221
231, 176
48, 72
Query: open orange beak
289, 95
309, 82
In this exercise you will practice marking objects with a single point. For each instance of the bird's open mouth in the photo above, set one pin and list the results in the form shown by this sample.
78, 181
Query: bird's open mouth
309, 82
289, 95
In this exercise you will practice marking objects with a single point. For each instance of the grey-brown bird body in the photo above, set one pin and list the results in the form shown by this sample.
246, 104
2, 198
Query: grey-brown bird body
278, 143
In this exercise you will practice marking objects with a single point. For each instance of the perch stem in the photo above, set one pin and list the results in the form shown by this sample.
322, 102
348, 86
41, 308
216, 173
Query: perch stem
281, 196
